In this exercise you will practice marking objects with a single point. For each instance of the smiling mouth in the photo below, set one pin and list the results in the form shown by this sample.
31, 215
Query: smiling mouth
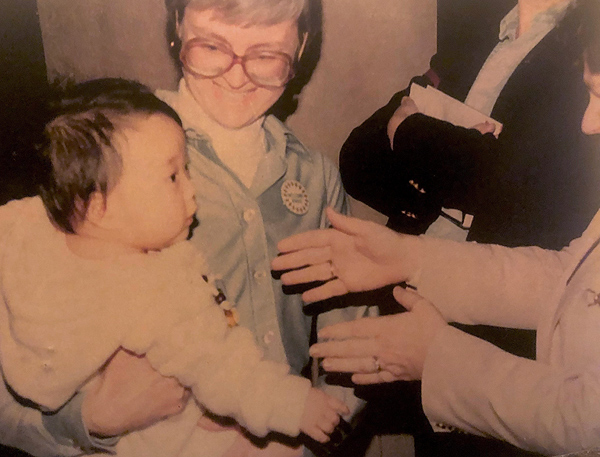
235, 91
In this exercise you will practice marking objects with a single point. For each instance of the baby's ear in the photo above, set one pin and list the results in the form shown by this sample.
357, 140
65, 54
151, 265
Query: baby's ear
96, 208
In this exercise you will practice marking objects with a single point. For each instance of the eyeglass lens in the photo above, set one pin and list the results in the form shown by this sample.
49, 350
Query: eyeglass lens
209, 59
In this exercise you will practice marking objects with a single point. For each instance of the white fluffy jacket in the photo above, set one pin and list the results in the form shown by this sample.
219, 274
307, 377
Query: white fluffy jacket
62, 317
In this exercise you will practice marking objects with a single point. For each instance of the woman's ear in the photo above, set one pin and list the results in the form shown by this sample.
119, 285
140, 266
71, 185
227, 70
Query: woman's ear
178, 25
302, 46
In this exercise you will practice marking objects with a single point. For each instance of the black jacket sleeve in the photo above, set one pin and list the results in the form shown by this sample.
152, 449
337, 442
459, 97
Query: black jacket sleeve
433, 164
368, 167
449, 166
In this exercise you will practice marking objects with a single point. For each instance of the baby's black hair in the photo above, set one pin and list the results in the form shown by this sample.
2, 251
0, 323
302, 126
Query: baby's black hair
78, 152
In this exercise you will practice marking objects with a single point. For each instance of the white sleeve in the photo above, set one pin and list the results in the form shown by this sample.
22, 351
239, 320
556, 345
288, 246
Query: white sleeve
474, 283
187, 337
473, 385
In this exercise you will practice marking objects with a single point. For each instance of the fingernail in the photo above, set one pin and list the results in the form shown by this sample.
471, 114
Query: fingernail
326, 364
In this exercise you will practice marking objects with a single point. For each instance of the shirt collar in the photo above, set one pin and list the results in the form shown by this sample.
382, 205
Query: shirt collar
542, 22
280, 139
278, 136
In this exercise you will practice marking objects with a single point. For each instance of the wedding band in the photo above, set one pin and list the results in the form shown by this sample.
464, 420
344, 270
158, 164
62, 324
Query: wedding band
376, 365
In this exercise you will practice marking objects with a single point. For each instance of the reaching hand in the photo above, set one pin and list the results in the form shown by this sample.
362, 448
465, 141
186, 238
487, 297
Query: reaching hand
406, 108
382, 349
130, 395
321, 415
354, 256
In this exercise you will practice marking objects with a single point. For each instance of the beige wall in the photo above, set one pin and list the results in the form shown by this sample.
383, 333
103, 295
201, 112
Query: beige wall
371, 49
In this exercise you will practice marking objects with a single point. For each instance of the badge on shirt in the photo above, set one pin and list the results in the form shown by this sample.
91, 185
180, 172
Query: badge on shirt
294, 197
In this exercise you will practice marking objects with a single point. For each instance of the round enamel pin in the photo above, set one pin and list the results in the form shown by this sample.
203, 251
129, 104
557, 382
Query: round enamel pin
294, 197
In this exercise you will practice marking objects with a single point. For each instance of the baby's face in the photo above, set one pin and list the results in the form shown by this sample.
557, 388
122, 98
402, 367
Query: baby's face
153, 203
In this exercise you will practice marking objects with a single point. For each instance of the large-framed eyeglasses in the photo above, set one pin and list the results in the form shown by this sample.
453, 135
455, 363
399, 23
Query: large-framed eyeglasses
209, 58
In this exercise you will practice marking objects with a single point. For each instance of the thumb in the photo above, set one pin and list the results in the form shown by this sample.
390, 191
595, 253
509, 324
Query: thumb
407, 298
345, 224
409, 103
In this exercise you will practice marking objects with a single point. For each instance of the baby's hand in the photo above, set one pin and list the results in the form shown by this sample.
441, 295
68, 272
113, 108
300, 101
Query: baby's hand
321, 415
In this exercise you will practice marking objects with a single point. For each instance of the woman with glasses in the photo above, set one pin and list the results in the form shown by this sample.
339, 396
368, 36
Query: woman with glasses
256, 183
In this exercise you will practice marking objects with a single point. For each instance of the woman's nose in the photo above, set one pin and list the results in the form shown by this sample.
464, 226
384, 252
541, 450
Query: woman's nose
236, 76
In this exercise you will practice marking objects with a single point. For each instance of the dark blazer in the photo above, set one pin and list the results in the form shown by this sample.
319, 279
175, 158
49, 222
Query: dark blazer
535, 185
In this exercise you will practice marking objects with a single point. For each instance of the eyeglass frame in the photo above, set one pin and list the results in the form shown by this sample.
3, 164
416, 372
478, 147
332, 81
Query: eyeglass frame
235, 59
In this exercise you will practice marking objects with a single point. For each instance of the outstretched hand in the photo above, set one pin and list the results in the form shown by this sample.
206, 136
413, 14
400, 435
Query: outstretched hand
353, 256
382, 349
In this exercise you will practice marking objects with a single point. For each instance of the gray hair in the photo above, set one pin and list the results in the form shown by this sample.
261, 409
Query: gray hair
249, 12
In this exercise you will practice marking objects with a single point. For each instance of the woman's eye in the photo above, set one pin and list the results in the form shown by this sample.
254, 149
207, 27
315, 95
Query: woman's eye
209, 47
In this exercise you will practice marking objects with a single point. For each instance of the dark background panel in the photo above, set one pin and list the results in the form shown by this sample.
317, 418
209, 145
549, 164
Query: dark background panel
22, 84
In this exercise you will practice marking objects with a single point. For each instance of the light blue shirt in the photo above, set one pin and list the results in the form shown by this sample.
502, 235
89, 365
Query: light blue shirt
240, 227
45, 435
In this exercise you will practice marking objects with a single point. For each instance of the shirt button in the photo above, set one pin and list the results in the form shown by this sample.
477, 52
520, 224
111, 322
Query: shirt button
249, 214
445, 427
268, 338
260, 274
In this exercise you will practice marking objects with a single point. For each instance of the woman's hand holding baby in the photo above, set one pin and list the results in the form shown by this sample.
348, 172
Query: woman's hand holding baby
321, 415
130, 395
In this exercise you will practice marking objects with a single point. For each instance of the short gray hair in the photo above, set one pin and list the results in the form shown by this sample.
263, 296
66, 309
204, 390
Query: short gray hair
247, 12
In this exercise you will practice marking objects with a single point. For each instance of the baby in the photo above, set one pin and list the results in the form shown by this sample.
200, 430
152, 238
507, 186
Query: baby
99, 263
